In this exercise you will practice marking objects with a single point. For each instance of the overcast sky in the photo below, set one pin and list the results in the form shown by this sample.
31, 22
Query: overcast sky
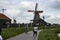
19, 10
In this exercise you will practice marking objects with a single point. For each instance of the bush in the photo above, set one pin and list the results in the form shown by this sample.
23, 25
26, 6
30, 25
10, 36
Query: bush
48, 34
10, 32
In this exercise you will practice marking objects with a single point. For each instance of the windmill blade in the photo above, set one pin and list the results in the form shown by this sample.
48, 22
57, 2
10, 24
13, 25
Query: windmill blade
36, 6
39, 11
30, 10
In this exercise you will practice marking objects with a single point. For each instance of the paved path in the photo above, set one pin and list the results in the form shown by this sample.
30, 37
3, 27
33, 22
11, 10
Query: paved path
24, 36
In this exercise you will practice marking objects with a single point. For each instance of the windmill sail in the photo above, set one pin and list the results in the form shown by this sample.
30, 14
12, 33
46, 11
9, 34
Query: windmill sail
36, 6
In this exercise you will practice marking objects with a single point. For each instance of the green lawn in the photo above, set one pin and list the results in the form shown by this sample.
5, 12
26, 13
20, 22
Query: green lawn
48, 34
10, 32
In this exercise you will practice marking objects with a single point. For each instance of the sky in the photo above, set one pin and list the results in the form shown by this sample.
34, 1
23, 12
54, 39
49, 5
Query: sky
18, 9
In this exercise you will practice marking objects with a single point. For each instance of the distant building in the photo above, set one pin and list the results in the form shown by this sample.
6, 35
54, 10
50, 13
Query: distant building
4, 20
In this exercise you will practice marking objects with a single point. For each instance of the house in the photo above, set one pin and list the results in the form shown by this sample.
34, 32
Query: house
4, 21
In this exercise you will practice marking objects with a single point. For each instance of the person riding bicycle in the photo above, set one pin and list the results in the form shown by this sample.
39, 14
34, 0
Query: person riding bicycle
35, 30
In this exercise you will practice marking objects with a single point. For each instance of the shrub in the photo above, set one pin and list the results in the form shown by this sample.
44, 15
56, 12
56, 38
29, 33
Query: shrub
48, 34
10, 32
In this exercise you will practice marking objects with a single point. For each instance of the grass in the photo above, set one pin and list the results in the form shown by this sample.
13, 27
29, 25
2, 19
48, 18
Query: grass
10, 32
48, 34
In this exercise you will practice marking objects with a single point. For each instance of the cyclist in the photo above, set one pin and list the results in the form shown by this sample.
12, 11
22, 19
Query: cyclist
35, 31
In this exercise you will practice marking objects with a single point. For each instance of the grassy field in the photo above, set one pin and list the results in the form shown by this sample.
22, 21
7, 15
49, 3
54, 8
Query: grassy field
49, 34
10, 32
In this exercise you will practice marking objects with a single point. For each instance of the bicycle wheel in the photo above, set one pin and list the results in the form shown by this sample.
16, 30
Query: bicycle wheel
34, 37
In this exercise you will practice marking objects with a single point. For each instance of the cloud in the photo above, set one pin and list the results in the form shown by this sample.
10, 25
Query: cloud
53, 19
26, 3
12, 12
55, 4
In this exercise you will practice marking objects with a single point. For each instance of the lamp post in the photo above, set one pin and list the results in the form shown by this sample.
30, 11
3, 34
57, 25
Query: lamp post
31, 22
19, 25
3, 10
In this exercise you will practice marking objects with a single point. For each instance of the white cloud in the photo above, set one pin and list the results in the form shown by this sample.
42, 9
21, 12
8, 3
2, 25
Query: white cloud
12, 12
53, 19
25, 3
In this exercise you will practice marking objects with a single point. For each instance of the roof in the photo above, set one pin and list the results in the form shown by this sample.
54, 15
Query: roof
2, 16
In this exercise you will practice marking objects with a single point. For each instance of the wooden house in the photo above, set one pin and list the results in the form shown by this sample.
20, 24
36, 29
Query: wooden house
4, 21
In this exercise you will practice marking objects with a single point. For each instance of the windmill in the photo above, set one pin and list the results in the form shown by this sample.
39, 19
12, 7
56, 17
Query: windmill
36, 15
